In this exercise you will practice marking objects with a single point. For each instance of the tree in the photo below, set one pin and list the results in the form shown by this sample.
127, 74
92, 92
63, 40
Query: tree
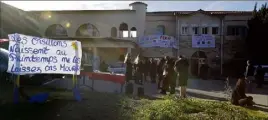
257, 38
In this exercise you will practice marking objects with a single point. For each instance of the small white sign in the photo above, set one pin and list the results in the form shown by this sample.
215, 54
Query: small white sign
34, 55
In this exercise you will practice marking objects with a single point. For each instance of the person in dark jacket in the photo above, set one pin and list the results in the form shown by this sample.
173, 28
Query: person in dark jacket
160, 68
239, 96
259, 76
182, 67
173, 78
129, 68
249, 75
167, 74
152, 70
138, 67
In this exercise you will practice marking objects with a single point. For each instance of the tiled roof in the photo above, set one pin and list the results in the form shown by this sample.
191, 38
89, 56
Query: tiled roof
200, 11
214, 12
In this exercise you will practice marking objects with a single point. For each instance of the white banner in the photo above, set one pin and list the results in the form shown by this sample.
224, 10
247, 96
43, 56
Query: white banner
157, 41
34, 55
203, 41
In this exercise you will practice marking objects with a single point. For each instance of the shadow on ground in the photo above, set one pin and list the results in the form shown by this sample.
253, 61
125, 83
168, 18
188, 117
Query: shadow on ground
219, 85
62, 106
202, 96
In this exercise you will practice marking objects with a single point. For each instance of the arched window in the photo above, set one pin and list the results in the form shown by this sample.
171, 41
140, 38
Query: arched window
123, 30
133, 32
113, 32
160, 30
56, 30
87, 30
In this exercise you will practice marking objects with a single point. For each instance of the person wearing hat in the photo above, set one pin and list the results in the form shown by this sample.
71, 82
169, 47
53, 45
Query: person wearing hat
181, 67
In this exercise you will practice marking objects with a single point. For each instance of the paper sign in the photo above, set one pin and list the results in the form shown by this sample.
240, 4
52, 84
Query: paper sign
34, 55
203, 41
158, 41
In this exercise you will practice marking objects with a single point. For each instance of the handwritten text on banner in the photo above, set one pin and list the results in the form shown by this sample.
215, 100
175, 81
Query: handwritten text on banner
31, 55
203, 41
158, 41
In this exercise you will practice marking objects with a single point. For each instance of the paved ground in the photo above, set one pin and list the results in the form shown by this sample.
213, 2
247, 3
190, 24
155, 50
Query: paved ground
212, 89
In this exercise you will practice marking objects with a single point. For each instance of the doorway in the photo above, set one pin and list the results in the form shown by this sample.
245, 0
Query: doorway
198, 55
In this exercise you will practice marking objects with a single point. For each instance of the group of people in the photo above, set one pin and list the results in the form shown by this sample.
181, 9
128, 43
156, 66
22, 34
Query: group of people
164, 71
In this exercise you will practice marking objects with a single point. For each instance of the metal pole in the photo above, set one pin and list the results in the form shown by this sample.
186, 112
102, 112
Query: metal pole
222, 30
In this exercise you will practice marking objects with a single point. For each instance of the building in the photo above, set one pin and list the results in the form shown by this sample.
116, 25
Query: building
110, 33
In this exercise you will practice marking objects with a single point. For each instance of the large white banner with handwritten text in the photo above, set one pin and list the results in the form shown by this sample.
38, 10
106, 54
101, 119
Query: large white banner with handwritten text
34, 55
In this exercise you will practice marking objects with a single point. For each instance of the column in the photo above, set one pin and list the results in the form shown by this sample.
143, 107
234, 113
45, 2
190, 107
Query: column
95, 60
129, 50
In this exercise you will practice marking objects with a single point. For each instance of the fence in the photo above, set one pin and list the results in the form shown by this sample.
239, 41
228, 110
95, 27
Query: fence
101, 82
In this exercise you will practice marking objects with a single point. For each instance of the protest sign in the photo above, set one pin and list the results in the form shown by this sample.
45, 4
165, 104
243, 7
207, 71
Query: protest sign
203, 41
34, 55
158, 41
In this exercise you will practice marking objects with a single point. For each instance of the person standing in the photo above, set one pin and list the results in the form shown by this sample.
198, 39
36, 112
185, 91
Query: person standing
249, 75
129, 68
138, 66
167, 74
182, 67
152, 70
259, 76
173, 79
160, 67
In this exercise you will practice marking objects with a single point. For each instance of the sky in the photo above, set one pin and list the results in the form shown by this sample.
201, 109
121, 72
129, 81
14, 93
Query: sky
152, 5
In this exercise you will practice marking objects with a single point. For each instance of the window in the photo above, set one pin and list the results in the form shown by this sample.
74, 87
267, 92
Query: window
184, 30
236, 30
125, 34
87, 30
133, 32
195, 30
160, 30
205, 30
123, 30
113, 32
215, 30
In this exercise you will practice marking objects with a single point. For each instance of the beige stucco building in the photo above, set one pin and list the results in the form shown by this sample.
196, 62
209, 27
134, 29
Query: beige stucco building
102, 30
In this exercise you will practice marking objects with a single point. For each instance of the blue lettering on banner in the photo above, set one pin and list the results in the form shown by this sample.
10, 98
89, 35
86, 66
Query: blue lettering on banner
28, 54
65, 59
32, 58
23, 69
64, 67
76, 60
18, 39
50, 68
15, 48
49, 42
60, 52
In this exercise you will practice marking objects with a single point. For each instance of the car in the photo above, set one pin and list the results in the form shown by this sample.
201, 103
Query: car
265, 67
117, 68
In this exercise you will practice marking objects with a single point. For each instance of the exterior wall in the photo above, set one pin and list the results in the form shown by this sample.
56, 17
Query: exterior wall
146, 24
185, 41
152, 21
232, 44
103, 20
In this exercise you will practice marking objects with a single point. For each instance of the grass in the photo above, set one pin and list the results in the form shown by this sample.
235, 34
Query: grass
103, 106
